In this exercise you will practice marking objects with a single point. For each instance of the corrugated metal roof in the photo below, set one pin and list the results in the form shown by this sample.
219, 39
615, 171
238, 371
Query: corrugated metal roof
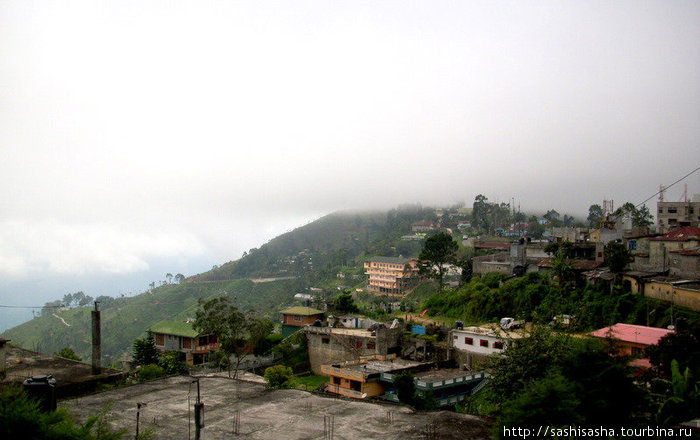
176, 328
680, 234
576, 264
300, 310
639, 334
392, 260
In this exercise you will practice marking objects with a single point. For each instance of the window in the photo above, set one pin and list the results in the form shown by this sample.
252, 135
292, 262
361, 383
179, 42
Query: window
637, 352
672, 210
358, 344
371, 346
325, 340
484, 342
202, 340
186, 343
297, 318
498, 345
661, 210
160, 339
469, 341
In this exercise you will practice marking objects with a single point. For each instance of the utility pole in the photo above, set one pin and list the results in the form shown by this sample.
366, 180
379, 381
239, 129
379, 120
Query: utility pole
138, 416
96, 341
198, 414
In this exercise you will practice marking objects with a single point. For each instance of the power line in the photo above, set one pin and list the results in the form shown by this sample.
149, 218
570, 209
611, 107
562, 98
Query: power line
657, 193
31, 307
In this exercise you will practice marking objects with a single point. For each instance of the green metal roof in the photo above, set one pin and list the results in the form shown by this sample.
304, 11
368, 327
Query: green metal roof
177, 328
299, 310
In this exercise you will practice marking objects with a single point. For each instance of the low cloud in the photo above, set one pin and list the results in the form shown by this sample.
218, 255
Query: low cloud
49, 247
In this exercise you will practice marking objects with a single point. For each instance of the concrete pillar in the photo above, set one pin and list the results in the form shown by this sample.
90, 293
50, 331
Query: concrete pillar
3, 355
96, 342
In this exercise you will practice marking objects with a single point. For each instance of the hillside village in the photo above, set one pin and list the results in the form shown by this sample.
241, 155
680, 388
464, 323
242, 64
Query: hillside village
370, 315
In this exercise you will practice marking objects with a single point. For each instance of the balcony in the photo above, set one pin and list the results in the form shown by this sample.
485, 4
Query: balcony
199, 349
336, 389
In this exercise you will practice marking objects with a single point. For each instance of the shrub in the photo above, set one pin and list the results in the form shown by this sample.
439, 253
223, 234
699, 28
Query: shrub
279, 376
150, 372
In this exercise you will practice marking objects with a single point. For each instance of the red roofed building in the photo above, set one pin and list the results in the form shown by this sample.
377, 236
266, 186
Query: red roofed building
661, 248
633, 339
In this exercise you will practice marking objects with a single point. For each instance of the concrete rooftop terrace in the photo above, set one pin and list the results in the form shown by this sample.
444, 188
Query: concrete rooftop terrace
267, 414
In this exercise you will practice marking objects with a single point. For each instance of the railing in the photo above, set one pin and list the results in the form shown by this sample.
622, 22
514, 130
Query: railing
209, 347
425, 385
342, 372
336, 389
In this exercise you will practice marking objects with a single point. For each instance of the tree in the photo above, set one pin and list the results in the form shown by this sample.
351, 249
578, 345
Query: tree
344, 303
480, 212
595, 215
617, 257
22, 418
439, 251
559, 380
562, 268
682, 346
640, 217
405, 388
179, 278
279, 376
568, 221
222, 319
169, 277
171, 362
144, 351
552, 217
68, 353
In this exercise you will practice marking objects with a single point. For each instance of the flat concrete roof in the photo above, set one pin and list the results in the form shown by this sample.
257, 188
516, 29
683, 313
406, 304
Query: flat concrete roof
21, 364
362, 333
266, 414
441, 374
380, 366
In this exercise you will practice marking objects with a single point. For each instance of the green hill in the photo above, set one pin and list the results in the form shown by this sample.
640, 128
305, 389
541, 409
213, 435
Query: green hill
308, 256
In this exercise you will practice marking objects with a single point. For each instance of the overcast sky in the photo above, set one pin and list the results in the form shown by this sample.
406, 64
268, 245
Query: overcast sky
136, 131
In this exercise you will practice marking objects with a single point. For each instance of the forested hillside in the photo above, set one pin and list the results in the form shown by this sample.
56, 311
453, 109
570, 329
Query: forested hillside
308, 256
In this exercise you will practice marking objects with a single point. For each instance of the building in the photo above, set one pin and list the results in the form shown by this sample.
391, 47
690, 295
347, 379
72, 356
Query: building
181, 336
327, 345
473, 344
656, 253
374, 377
677, 291
424, 226
391, 275
447, 386
685, 263
294, 318
632, 339
360, 378
673, 215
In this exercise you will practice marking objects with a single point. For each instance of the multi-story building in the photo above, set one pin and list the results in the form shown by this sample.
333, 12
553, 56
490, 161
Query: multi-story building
182, 337
673, 215
473, 344
391, 275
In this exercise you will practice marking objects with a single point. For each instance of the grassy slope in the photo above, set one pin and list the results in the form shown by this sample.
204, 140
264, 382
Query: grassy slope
129, 318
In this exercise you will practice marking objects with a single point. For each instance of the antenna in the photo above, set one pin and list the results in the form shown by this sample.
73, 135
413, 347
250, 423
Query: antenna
661, 193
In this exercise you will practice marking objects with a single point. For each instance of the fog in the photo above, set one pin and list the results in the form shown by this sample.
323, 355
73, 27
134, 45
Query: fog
137, 132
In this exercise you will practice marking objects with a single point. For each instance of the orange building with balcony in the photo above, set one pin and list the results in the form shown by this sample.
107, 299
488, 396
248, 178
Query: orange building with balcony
391, 275
361, 379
